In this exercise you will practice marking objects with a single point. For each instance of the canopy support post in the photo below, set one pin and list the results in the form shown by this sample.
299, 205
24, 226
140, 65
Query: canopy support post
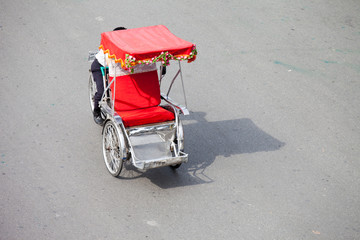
182, 83
172, 82
113, 105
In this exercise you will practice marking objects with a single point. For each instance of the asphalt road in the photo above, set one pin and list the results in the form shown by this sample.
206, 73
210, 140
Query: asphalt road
273, 136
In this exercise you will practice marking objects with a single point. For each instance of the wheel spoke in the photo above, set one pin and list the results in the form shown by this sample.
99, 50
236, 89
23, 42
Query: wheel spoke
115, 163
112, 164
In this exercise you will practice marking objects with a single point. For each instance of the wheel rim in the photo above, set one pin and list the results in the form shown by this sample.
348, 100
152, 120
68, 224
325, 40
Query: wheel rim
111, 149
92, 91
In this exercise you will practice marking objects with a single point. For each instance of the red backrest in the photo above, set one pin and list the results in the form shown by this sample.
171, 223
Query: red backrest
136, 91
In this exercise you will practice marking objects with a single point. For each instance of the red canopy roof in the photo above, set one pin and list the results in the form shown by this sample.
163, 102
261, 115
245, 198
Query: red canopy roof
145, 45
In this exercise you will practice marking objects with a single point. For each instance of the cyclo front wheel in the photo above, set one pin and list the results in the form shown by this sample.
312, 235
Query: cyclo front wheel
114, 147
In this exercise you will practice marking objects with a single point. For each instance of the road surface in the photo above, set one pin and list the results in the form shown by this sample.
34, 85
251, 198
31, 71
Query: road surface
273, 136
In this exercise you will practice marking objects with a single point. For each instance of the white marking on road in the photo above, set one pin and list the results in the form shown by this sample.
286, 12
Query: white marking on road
152, 223
99, 18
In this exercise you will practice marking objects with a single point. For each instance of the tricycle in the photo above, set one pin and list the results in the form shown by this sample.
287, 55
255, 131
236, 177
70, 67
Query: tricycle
141, 125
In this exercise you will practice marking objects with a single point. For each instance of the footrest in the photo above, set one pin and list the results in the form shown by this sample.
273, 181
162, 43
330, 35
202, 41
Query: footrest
147, 164
152, 151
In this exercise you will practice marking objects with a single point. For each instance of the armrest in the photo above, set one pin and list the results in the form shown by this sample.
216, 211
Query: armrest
183, 109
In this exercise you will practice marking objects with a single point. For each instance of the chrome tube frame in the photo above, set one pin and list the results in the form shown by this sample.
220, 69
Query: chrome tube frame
170, 131
182, 108
182, 83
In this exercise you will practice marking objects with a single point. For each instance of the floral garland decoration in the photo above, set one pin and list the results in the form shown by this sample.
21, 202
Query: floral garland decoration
164, 58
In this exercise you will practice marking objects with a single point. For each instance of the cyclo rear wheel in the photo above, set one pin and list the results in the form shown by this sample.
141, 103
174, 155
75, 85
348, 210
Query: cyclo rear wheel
92, 91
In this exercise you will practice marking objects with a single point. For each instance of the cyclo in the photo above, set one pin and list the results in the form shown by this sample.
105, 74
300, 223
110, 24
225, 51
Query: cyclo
142, 125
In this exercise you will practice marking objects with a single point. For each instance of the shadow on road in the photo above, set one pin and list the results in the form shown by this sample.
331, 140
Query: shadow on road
204, 141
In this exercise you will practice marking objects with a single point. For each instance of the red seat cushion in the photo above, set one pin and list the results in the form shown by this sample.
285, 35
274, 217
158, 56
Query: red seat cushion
137, 99
145, 116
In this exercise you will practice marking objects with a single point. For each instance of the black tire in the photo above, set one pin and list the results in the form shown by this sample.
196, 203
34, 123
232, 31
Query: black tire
175, 166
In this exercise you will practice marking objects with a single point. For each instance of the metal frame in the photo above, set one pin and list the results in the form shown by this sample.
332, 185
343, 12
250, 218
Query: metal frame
170, 131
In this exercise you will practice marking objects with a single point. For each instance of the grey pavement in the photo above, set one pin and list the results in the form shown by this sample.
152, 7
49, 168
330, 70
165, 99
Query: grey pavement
273, 136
